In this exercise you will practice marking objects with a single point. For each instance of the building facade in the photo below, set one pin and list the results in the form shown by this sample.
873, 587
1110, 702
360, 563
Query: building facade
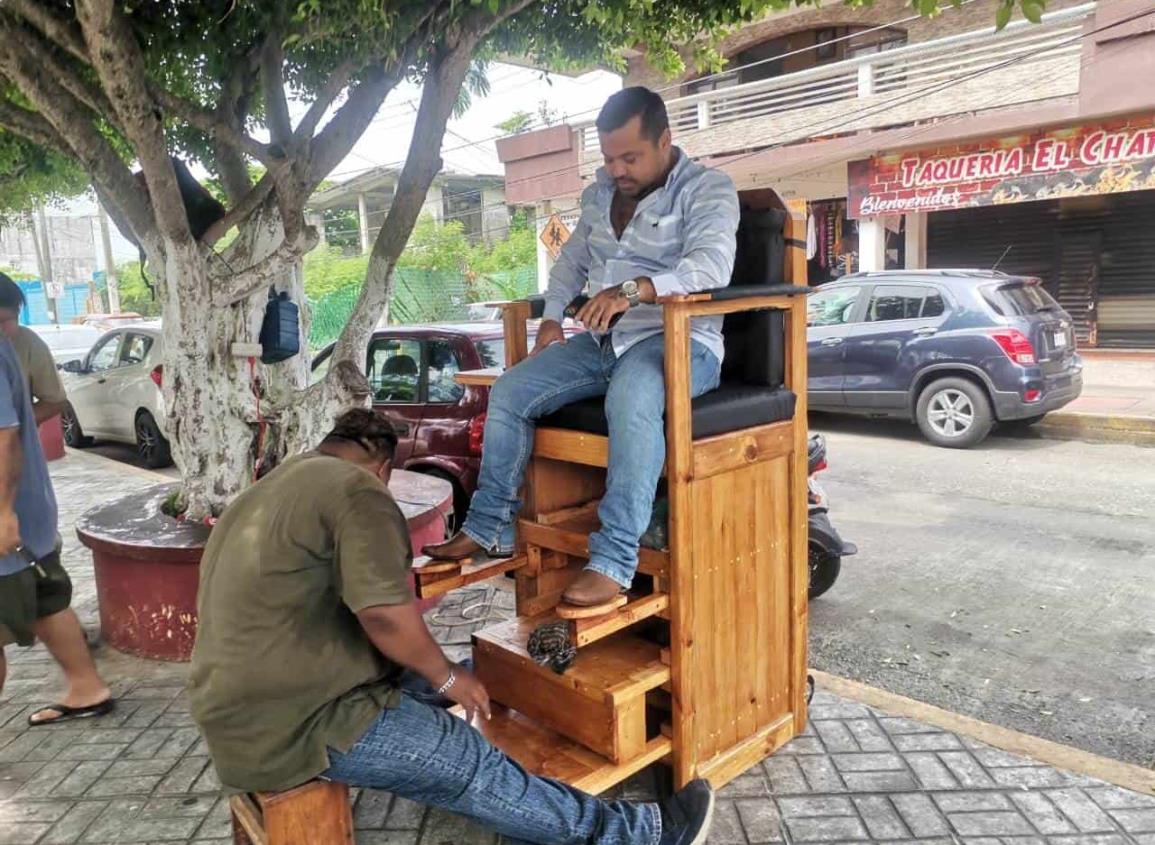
918, 142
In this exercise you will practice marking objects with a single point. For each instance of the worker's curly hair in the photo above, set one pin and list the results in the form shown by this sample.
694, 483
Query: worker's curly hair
370, 429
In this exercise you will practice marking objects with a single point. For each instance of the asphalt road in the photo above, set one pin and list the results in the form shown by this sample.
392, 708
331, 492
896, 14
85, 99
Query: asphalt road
1014, 583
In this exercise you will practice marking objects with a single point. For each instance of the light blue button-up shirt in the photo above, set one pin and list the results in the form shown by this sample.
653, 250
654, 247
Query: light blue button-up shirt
682, 236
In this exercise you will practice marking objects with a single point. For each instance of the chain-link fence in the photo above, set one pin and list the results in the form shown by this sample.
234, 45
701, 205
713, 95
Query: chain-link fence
422, 296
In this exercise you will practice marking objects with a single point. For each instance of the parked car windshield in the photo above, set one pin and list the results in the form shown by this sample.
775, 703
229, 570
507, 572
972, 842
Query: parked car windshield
70, 339
1020, 299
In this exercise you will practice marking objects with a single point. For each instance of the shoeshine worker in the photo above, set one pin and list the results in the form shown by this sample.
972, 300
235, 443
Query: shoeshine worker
654, 223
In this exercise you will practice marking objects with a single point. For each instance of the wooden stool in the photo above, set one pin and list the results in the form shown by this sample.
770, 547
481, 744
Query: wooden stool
315, 813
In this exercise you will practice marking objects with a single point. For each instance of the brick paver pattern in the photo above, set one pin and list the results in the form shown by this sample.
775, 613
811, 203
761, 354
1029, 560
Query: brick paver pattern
142, 775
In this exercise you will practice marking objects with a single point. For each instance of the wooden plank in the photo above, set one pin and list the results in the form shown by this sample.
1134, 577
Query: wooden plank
796, 269
586, 631
730, 610
679, 469
629, 730
561, 444
727, 452
726, 766
247, 821
584, 720
697, 306
745, 600
618, 668
513, 319
572, 538
478, 378
568, 514
539, 595
800, 575
533, 560
555, 484
479, 570
545, 753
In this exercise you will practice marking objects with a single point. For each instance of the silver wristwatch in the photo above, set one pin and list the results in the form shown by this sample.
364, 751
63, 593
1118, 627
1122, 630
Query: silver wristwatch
631, 292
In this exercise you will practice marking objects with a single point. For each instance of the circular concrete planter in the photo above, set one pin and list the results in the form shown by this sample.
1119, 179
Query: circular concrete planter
146, 564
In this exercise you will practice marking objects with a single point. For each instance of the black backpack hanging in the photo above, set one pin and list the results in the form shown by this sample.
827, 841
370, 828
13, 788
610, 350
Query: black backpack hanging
281, 329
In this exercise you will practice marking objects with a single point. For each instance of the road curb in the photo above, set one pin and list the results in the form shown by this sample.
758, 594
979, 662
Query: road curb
1126, 775
1138, 431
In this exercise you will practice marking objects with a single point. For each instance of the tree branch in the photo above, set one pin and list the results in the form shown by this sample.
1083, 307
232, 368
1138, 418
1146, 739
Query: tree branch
438, 96
72, 126
273, 83
64, 33
266, 271
212, 124
249, 203
31, 126
117, 60
325, 97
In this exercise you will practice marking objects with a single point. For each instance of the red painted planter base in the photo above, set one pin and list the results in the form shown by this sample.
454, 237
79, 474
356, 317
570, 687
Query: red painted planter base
146, 564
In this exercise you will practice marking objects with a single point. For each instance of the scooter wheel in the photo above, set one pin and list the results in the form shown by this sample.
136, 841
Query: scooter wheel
824, 569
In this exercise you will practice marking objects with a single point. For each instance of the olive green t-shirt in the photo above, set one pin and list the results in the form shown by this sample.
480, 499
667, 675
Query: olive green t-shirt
282, 670
39, 368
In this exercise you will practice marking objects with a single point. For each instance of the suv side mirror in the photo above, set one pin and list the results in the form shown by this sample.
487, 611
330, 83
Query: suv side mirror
76, 366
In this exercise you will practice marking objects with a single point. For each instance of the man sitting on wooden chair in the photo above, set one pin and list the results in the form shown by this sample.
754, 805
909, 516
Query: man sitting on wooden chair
654, 223
306, 623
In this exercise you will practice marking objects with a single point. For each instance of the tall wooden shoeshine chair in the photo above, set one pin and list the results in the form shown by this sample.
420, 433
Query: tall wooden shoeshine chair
704, 667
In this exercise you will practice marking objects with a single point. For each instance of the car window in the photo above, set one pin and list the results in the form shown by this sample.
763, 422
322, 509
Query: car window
933, 305
394, 370
1020, 300
900, 302
492, 352
444, 365
104, 356
832, 307
136, 349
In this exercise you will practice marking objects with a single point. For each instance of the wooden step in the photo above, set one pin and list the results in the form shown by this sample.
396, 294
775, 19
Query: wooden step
434, 578
599, 701
572, 535
547, 753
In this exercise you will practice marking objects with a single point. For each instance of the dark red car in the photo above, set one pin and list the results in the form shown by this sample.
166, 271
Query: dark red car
440, 423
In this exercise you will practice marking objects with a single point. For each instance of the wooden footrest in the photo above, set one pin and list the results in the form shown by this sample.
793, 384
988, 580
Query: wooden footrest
434, 578
549, 754
599, 701
572, 536
578, 611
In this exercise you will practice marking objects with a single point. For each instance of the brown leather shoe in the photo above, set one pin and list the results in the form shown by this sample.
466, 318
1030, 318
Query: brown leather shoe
591, 588
459, 547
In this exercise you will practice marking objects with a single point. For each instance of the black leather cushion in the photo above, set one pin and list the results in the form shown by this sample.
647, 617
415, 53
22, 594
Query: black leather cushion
729, 408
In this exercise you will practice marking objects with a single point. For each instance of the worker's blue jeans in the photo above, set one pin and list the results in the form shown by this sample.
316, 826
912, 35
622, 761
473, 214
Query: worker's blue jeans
635, 390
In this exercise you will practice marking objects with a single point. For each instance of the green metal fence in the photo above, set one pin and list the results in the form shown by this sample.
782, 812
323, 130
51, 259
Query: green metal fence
421, 296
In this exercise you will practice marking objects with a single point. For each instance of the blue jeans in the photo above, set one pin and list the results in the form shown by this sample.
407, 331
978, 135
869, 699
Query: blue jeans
635, 391
422, 753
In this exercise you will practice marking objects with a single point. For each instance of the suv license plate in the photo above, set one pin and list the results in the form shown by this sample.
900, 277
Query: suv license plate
1060, 340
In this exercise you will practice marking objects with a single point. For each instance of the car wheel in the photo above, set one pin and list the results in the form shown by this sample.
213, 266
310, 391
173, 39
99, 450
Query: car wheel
824, 569
151, 446
73, 434
955, 413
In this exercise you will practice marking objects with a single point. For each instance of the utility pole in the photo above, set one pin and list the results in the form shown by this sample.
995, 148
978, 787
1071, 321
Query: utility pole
109, 265
44, 254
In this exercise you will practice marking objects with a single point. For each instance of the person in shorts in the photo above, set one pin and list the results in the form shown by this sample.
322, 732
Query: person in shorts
35, 591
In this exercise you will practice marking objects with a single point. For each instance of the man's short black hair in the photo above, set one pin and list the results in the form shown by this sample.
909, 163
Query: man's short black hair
11, 296
369, 429
635, 102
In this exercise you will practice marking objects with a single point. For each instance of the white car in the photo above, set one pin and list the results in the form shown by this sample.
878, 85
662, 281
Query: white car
114, 393
68, 342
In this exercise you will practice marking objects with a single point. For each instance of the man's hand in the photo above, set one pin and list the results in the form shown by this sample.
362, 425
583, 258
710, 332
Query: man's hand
9, 532
601, 309
548, 332
469, 693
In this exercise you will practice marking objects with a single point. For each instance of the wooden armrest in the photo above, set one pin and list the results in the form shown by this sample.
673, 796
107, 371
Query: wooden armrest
479, 378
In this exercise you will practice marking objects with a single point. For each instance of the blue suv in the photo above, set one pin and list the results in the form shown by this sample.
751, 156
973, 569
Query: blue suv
956, 351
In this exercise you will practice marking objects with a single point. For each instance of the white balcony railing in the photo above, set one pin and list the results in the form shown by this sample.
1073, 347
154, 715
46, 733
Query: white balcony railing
918, 71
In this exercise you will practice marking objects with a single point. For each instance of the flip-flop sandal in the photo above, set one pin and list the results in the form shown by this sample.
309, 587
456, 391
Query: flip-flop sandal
71, 714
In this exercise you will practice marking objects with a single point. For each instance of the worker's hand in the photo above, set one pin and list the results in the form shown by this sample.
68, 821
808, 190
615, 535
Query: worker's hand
599, 311
548, 332
469, 693
9, 532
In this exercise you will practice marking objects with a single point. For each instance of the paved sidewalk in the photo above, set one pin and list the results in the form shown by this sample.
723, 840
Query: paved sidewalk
1118, 399
142, 775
